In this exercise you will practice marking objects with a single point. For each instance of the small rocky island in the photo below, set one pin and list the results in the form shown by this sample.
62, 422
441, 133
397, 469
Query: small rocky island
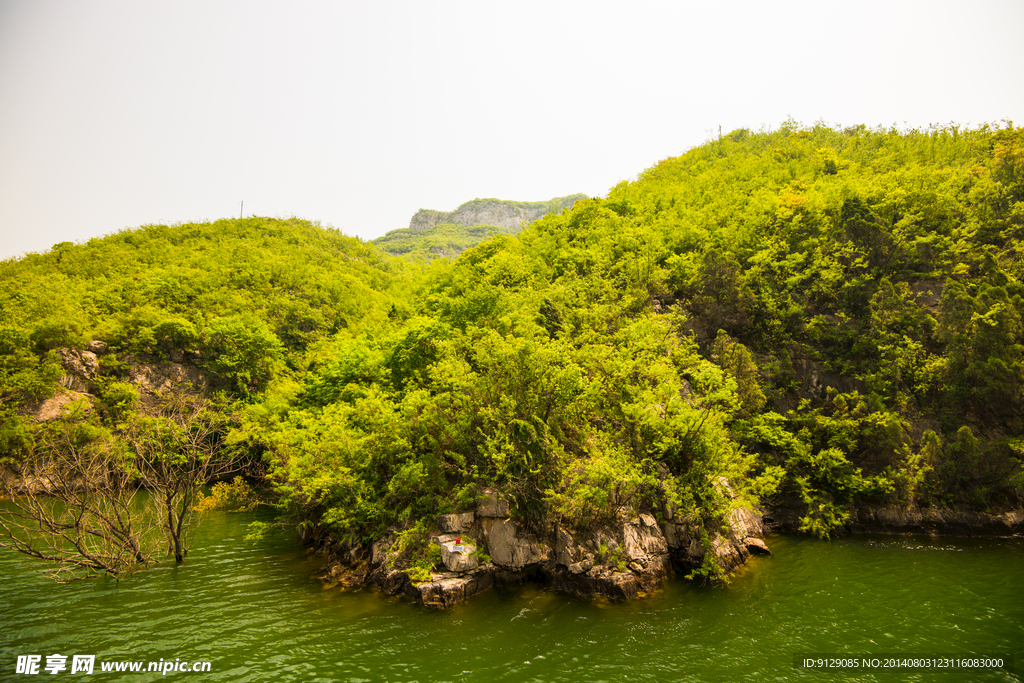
621, 561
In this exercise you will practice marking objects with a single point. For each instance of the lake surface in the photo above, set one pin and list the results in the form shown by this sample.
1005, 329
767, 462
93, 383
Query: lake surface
254, 613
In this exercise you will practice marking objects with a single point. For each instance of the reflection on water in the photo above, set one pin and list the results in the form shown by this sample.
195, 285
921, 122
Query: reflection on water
256, 615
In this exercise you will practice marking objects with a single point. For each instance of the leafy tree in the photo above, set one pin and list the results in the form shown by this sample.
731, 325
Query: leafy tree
245, 351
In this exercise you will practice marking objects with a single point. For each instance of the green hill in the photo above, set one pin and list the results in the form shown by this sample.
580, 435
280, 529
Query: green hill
281, 286
825, 317
822, 318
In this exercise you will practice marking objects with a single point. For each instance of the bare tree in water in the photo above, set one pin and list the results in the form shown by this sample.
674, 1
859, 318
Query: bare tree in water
73, 501
77, 489
178, 450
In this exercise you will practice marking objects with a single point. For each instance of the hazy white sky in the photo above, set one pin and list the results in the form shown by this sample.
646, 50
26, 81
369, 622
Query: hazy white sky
357, 114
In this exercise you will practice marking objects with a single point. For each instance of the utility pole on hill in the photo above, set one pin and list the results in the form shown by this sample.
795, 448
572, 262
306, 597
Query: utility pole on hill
240, 208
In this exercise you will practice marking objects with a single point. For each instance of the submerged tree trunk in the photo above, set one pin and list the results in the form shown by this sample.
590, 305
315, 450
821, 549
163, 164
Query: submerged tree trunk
73, 488
73, 503
178, 451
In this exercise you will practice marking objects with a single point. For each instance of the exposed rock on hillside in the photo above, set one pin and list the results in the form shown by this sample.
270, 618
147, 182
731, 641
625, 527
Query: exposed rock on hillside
511, 215
80, 368
155, 377
439, 234
57, 405
83, 369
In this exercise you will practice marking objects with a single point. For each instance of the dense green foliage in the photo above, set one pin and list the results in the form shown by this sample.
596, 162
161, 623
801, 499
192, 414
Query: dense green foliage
243, 297
444, 239
821, 317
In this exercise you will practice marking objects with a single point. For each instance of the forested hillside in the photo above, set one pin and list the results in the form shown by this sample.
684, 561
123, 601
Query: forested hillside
808, 318
266, 287
829, 317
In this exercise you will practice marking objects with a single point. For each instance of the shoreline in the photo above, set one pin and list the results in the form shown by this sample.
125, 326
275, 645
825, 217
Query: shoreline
644, 553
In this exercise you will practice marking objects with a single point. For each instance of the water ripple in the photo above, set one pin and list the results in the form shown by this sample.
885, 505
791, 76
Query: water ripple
255, 614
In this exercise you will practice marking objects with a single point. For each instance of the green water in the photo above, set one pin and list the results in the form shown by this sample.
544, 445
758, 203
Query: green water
255, 615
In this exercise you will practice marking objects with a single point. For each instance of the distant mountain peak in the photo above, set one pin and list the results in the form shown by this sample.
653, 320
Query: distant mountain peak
433, 234
506, 214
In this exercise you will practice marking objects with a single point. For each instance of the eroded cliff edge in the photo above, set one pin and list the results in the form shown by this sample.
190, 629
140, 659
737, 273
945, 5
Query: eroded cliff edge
505, 214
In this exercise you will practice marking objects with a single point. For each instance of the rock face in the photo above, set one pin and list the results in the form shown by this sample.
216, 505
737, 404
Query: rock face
566, 549
80, 368
491, 505
160, 376
511, 549
599, 582
96, 346
647, 551
756, 546
459, 560
455, 523
729, 550
448, 590
154, 378
936, 520
622, 561
511, 215
59, 404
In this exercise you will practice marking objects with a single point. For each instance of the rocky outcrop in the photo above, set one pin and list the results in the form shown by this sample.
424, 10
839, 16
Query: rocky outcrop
510, 215
621, 561
742, 538
911, 520
598, 581
947, 521
80, 369
472, 213
350, 571
155, 378
646, 550
492, 505
83, 369
459, 558
756, 546
455, 523
59, 404
511, 548
97, 347
445, 590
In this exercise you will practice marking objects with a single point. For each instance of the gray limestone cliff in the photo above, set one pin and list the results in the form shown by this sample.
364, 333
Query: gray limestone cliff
510, 215
439, 234
475, 550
